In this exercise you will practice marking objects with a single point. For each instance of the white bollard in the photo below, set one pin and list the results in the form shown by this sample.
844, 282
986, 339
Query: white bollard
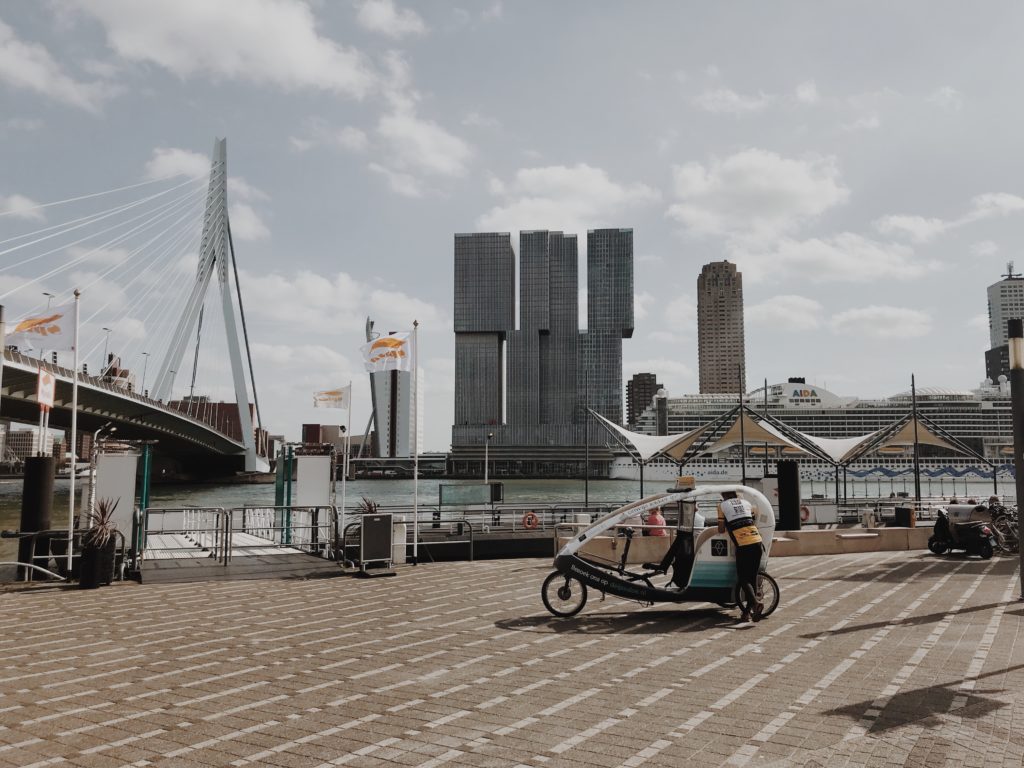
398, 540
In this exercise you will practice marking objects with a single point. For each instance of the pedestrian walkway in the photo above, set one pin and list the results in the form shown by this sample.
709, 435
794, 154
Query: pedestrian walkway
877, 659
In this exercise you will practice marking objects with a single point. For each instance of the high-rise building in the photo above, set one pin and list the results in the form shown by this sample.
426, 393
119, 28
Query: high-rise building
1005, 302
640, 391
720, 347
523, 392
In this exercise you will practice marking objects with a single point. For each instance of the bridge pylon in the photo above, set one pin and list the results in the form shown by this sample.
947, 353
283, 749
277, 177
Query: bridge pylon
216, 254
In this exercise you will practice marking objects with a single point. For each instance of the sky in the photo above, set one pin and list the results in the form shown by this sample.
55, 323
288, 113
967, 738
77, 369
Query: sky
859, 163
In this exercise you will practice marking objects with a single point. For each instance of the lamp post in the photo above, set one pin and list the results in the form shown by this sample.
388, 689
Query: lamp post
1015, 334
106, 343
49, 298
487, 443
145, 364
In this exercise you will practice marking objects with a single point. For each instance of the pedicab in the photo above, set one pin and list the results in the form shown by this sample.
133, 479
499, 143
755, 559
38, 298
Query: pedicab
698, 566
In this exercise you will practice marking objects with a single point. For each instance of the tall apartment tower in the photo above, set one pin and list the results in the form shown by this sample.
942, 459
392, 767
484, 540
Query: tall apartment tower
523, 392
1005, 301
391, 393
720, 347
640, 390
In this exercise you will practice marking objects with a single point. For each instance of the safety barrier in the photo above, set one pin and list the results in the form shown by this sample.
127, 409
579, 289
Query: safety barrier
56, 550
184, 532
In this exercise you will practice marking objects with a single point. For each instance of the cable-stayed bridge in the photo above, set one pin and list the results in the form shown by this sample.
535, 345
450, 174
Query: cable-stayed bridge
144, 267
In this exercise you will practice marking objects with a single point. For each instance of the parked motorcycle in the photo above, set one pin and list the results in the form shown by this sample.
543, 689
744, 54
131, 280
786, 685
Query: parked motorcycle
974, 538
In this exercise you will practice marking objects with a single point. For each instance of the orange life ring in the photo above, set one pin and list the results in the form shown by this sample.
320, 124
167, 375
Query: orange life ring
805, 514
530, 521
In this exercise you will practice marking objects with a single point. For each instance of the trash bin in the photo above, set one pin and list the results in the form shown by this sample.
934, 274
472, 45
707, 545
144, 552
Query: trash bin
905, 517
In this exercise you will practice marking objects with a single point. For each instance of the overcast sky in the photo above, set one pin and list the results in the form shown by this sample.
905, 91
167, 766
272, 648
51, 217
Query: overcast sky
859, 162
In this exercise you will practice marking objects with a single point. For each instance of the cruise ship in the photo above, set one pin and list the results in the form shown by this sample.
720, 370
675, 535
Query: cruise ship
978, 420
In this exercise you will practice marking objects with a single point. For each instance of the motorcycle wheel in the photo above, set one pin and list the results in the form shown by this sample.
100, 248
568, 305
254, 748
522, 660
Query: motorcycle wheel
985, 550
937, 546
563, 595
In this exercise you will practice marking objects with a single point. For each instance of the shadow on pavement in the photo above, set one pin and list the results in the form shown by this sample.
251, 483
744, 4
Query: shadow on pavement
648, 622
906, 571
912, 621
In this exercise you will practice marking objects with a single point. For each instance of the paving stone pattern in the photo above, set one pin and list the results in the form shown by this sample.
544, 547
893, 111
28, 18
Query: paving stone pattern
877, 659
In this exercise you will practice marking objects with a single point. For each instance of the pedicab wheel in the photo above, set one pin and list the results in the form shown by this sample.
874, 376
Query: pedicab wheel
768, 593
985, 550
937, 546
563, 595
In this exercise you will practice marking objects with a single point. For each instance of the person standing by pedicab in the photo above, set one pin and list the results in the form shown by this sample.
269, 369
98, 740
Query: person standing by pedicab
737, 516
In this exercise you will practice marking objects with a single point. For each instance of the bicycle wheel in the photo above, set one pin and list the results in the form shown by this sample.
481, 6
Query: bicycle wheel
767, 593
563, 595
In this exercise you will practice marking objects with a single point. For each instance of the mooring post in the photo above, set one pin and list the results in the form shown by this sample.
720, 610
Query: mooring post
1015, 333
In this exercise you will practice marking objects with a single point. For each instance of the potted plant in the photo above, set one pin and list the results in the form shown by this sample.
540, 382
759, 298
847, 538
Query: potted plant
99, 543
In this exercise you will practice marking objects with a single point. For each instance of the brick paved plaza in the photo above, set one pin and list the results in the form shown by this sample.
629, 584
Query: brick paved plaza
895, 658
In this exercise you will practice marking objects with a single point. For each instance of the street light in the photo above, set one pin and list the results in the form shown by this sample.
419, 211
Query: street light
49, 298
487, 443
145, 364
106, 342
1015, 340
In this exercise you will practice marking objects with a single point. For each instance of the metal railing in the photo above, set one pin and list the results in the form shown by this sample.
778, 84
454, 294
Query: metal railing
309, 529
173, 532
60, 536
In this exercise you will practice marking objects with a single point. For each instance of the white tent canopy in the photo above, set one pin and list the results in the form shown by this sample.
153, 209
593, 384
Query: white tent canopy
648, 446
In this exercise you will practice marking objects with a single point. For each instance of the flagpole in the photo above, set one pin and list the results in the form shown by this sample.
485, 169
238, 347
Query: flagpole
415, 443
74, 438
3, 347
344, 464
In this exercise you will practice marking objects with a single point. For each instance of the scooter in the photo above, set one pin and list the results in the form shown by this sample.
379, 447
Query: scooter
974, 538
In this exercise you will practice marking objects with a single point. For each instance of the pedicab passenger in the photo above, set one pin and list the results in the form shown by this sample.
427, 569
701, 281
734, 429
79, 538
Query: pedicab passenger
737, 516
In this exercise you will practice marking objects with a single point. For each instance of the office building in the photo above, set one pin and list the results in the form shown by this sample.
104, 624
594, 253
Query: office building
23, 443
720, 345
640, 391
523, 391
1005, 302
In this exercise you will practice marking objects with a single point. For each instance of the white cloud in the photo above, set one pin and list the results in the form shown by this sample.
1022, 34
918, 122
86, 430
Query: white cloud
755, 193
921, 229
30, 67
727, 101
326, 305
846, 257
984, 248
421, 145
173, 161
787, 313
493, 12
383, 17
402, 183
107, 257
20, 207
246, 224
807, 92
272, 42
320, 134
571, 199
947, 97
918, 228
641, 301
477, 120
979, 321
864, 123
681, 315
882, 322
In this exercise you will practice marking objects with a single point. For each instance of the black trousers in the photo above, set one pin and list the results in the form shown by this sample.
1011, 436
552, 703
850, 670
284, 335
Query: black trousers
748, 564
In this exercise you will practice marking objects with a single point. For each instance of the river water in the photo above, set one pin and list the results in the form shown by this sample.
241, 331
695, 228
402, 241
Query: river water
400, 492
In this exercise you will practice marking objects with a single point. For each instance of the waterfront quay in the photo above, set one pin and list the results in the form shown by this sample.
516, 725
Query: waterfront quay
876, 659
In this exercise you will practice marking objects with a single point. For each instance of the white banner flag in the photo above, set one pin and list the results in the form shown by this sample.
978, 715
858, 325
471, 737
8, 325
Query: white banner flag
52, 330
45, 389
333, 398
388, 353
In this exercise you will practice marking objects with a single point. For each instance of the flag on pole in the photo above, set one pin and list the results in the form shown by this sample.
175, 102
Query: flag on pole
333, 398
389, 353
50, 330
45, 389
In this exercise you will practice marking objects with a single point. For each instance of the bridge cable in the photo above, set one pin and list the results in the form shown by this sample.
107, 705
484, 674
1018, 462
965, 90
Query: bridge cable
82, 221
245, 330
94, 194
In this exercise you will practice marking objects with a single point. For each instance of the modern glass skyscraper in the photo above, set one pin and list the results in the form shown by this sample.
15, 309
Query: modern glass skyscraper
720, 347
1005, 301
550, 369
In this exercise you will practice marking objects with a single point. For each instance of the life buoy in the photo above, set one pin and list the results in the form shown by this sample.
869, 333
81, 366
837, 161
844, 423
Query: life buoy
805, 514
530, 521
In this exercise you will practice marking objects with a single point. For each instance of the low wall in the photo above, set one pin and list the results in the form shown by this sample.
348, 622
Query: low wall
838, 541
